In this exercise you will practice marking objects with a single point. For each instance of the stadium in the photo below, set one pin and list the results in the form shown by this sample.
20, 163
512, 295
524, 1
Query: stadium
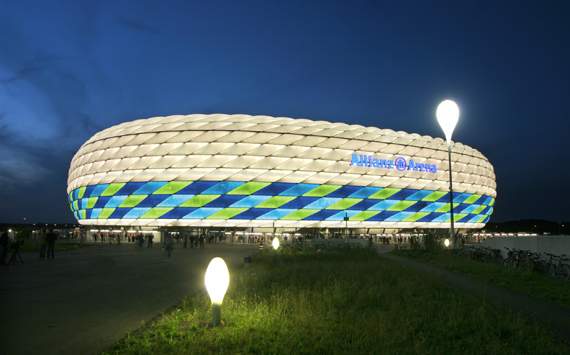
240, 171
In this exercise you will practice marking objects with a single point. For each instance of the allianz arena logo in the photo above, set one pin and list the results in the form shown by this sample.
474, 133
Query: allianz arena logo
398, 163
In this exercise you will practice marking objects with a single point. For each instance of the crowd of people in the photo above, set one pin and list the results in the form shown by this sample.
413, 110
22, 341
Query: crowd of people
146, 239
10, 247
44, 241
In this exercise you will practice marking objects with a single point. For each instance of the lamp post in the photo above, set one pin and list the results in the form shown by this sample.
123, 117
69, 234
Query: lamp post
346, 225
447, 114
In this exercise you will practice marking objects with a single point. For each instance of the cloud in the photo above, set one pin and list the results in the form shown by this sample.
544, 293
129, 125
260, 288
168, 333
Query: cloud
18, 167
53, 89
35, 66
4, 136
137, 26
45, 103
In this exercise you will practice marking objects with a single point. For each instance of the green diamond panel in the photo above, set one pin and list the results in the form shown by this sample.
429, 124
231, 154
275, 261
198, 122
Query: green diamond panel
322, 190
248, 188
199, 200
171, 188
383, 194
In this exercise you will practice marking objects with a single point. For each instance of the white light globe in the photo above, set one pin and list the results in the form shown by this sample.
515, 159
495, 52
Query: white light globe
275, 243
446, 242
217, 280
447, 114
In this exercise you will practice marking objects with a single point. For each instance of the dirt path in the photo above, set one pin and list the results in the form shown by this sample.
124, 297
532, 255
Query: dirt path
555, 316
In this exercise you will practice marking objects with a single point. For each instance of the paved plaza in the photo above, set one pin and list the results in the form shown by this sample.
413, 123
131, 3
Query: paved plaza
85, 300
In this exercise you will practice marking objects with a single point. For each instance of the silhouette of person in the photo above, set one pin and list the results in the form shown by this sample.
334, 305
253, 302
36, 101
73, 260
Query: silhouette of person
4, 242
169, 245
16, 256
43, 245
51, 237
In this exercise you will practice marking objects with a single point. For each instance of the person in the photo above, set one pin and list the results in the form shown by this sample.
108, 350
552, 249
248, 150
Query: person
461, 240
43, 244
15, 256
4, 241
168, 244
51, 237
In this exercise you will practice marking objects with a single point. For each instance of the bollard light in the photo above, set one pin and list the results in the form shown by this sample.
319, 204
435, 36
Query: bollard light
275, 243
217, 280
446, 242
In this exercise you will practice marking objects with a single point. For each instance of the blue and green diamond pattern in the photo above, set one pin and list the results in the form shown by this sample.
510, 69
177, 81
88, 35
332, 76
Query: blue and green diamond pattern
253, 200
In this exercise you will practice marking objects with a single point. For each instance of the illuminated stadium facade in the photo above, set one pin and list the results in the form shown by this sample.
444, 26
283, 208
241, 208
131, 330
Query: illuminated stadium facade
241, 171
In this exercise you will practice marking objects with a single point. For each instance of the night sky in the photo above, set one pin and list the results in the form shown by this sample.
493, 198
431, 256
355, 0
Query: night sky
69, 69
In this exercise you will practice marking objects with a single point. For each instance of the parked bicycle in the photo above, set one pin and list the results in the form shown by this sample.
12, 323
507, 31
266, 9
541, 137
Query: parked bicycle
554, 265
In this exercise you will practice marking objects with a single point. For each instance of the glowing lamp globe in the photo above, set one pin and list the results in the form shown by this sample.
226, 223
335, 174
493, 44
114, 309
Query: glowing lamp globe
446, 242
447, 114
275, 243
217, 280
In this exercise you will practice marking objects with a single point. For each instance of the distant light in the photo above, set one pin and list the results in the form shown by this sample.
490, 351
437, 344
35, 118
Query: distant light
9, 230
275, 243
447, 114
446, 242
217, 280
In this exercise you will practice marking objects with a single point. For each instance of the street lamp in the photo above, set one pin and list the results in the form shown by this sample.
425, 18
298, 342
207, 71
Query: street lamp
217, 281
447, 114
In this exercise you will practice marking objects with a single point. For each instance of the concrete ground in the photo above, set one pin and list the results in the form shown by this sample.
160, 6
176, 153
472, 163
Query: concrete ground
85, 300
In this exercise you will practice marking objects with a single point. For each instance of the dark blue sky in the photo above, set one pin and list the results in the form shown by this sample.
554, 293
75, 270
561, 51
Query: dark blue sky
69, 69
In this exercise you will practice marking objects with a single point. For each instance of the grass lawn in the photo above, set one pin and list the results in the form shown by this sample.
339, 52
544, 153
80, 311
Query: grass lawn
337, 301
531, 283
